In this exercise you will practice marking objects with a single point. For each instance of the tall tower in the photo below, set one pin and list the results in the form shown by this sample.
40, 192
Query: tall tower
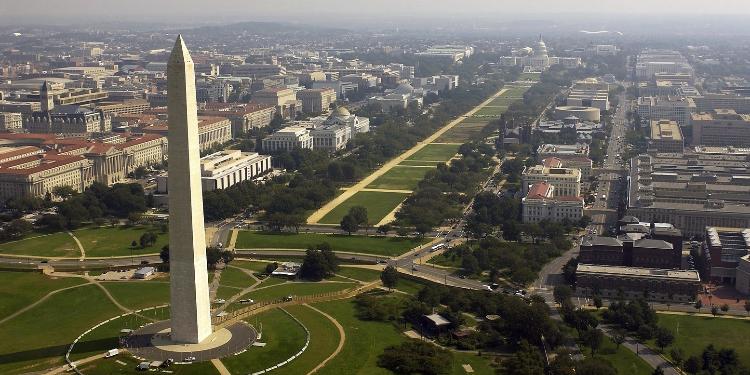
191, 314
45, 98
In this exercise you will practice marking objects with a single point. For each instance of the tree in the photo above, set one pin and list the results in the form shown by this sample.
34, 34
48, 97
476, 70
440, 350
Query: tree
526, 361
389, 277
63, 191
725, 307
385, 228
213, 255
593, 338
698, 304
692, 365
664, 337
349, 224
618, 337
359, 213
147, 239
645, 332
416, 357
595, 366
17, 229
562, 293
164, 254
747, 307
714, 310
678, 356
469, 263
598, 302
317, 264
270, 267
658, 371
134, 243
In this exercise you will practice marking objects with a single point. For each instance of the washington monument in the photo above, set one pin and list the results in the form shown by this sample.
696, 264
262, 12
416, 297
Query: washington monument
190, 310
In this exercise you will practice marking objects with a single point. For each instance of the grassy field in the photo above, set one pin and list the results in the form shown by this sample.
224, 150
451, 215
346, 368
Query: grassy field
38, 338
109, 366
295, 289
387, 246
624, 360
250, 265
378, 205
421, 163
400, 178
463, 132
495, 111
58, 244
138, 294
283, 337
529, 76
365, 340
104, 242
226, 292
694, 333
361, 274
106, 336
324, 338
20, 289
438, 152
235, 277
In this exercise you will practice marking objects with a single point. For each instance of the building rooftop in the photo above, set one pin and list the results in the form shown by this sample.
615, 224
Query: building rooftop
654, 273
665, 130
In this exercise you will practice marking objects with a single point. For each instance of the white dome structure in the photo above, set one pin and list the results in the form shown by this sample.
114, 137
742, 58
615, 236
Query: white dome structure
404, 89
541, 48
341, 112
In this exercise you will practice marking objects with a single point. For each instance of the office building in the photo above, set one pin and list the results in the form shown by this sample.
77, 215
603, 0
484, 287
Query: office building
634, 282
37, 175
285, 101
288, 139
691, 190
541, 203
11, 122
567, 181
711, 102
589, 93
721, 127
666, 136
678, 109
723, 249
316, 100
223, 169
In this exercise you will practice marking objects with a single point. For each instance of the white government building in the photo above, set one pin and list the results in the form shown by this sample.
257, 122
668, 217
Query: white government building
223, 169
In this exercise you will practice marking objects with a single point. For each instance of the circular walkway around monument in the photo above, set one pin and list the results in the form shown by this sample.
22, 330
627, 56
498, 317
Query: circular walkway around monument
151, 342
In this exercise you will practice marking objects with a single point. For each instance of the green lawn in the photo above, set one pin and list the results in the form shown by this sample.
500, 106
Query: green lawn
463, 132
439, 152
226, 292
400, 178
324, 338
20, 289
409, 286
251, 265
138, 294
38, 338
491, 111
694, 333
106, 336
109, 366
386, 246
104, 242
480, 365
58, 244
237, 278
378, 205
295, 289
365, 341
420, 163
361, 274
624, 360
529, 76
283, 337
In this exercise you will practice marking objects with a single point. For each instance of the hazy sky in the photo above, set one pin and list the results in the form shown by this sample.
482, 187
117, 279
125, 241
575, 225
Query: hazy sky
209, 11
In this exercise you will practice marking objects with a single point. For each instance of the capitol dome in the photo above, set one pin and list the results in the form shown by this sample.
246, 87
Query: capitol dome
404, 89
541, 48
341, 112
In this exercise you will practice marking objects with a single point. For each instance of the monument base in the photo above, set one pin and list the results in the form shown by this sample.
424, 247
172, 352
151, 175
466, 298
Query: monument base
153, 343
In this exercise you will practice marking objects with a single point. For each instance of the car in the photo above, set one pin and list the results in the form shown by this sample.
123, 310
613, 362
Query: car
190, 359
288, 298
246, 301
144, 262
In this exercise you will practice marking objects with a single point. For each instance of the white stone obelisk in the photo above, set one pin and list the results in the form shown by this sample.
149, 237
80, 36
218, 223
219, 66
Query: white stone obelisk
190, 310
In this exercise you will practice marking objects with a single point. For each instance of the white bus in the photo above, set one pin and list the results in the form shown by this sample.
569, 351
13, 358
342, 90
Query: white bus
437, 247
